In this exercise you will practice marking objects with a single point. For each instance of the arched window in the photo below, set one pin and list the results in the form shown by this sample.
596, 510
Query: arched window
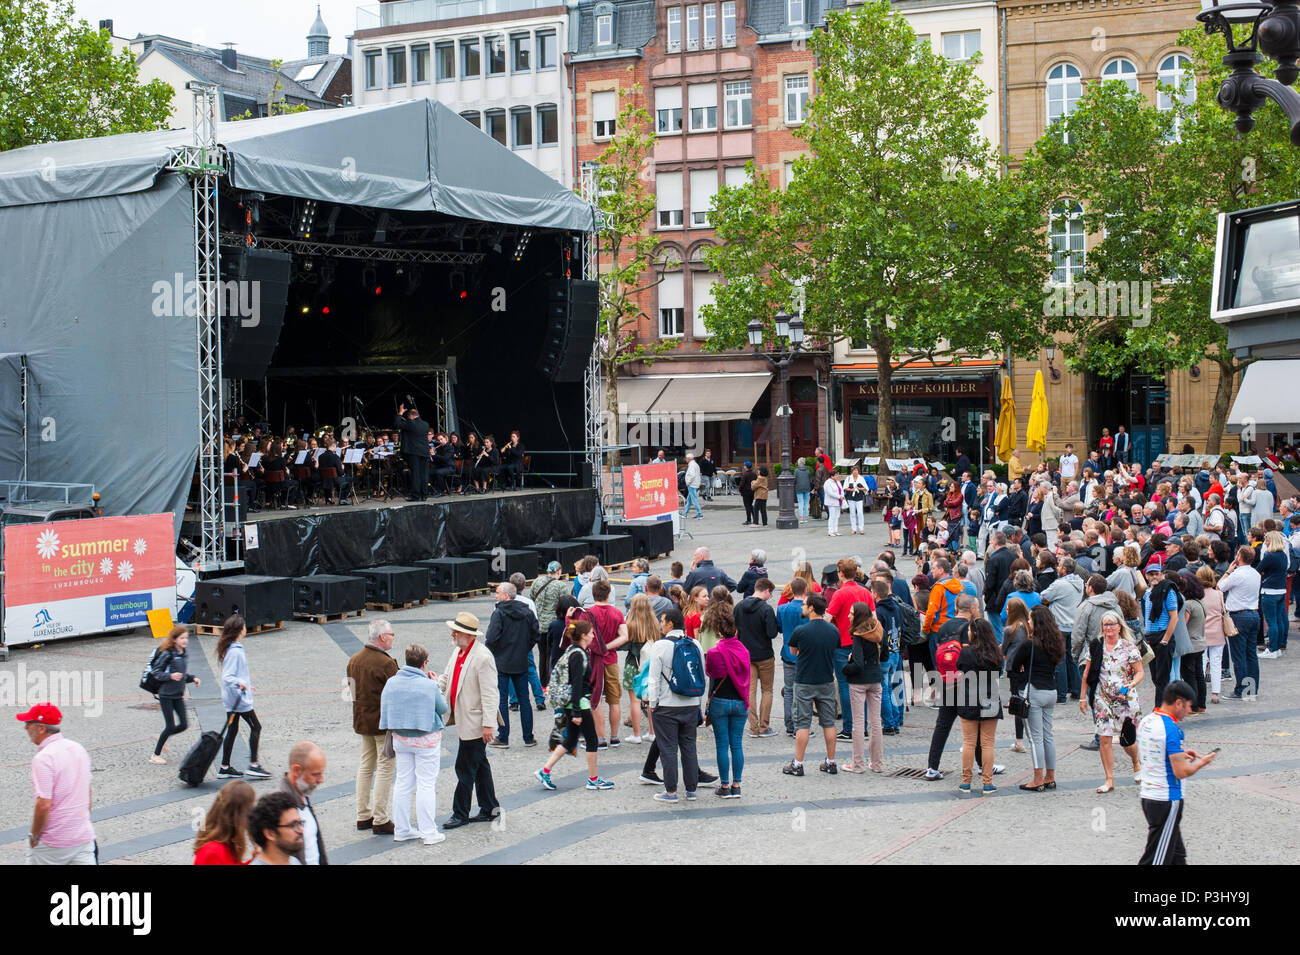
1176, 72
1125, 71
1065, 233
1064, 87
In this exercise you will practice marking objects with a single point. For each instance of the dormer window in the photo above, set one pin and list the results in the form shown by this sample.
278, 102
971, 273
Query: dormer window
604, 24
794, 10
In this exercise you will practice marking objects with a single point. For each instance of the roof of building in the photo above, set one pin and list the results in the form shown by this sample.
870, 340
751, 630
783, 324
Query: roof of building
252, 77
318, 29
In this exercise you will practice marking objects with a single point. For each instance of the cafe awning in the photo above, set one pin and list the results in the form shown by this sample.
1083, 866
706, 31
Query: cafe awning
727, 396
1261, 406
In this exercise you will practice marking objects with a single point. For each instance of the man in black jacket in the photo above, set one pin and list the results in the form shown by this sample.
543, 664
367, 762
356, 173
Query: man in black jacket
705, 574
756, 627
444, 462
1017, 504
415, 448
997, 570
510, 636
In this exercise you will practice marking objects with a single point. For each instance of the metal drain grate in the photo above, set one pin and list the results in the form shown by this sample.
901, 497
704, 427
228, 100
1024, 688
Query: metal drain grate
909, 773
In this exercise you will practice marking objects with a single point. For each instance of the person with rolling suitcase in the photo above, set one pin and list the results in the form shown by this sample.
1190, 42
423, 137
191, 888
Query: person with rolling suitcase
237, 698
169, 668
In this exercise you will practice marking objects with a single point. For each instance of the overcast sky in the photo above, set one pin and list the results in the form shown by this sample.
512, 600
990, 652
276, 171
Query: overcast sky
266, 28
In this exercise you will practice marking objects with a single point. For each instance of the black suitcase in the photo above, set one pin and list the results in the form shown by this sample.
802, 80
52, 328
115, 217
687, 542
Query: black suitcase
197, 762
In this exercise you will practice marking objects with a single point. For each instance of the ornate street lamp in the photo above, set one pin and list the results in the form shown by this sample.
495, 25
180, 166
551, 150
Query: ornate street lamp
791, 330
1274, 31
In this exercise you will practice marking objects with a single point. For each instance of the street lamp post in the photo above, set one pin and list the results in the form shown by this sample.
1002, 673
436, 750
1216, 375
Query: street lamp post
1274, 32
791, 331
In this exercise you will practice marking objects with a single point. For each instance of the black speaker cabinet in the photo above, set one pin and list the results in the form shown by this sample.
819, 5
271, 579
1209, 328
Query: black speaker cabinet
328, 594
259, 600
649, 538
455, 575
395, 585
567, 553
572, 308
255, 291
609, 549
502, 563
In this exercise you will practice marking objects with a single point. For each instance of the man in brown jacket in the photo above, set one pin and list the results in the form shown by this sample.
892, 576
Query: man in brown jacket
470, 682
368, 671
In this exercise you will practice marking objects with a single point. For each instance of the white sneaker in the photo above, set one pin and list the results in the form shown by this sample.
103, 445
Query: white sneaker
1269, 654
636, 740
933, 774
405, 836
436, 838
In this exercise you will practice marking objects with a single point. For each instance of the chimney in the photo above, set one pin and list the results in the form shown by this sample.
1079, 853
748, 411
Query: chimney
230, 59
106, 25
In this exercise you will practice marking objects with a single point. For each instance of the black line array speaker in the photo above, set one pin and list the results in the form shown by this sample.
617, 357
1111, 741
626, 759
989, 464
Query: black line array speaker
572, 306
259, 600
649, 538
567, 553
326, 594
455, 575
254, 292
609, 548
502, 563
395, 585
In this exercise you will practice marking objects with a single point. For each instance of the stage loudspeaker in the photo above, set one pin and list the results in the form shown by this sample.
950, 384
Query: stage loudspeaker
572, 306
502, 563
649, 538
395, 585
455, 575
567, 553
259, 600
609, 549
254, 290
328, 595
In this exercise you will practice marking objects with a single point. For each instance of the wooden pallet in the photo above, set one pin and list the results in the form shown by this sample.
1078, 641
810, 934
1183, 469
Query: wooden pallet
209, 630
461, 594
388, 608
327, 617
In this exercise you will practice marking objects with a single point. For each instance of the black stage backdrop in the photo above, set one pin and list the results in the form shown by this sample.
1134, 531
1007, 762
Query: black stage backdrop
344, 540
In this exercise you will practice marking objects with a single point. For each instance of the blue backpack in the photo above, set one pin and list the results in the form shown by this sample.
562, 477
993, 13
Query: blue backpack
687, 677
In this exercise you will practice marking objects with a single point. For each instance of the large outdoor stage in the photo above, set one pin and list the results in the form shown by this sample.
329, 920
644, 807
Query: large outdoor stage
338, 540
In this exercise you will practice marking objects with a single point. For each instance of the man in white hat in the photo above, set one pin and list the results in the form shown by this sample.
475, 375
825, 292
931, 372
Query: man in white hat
470, 681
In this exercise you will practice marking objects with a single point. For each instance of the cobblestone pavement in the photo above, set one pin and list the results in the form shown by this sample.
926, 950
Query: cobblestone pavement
1250, 797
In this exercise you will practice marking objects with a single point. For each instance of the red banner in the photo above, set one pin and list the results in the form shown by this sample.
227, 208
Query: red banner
649, 490
96, 557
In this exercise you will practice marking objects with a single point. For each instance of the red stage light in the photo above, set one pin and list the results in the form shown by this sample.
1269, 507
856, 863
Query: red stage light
379, 289
325, 310
464, 294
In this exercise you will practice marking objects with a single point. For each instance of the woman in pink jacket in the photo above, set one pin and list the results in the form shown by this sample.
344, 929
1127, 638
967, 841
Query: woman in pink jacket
727, 666
1215, 637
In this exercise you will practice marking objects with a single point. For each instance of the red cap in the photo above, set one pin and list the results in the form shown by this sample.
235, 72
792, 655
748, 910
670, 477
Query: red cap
46, 713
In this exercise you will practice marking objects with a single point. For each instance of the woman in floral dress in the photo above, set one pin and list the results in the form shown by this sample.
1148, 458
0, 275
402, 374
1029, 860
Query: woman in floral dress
1112, 674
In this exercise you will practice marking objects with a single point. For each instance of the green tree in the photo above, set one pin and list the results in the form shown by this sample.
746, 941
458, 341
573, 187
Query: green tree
626, 244
897, 227
1151, 183
60, 79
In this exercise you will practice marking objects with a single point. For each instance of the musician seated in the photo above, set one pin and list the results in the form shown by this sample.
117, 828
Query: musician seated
486, 465
443, 467
332, 475
512, 462
237, 475
469, 457
279, 483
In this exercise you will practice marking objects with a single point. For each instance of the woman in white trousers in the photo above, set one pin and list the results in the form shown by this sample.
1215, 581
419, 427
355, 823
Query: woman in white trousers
412, 709
833, 498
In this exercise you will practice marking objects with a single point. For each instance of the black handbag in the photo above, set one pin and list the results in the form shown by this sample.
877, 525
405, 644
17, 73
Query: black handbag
852, 668
1018, 705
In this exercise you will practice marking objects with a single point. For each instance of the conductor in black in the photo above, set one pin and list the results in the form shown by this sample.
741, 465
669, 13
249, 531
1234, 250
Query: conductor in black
415, 448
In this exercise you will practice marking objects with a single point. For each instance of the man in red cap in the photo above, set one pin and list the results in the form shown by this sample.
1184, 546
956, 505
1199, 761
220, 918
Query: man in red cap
61, 832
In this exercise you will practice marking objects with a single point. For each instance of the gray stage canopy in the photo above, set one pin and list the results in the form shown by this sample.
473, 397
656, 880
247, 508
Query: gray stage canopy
99, 243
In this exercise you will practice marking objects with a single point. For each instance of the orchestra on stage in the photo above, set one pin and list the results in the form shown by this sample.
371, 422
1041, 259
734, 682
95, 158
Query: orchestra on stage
410, 461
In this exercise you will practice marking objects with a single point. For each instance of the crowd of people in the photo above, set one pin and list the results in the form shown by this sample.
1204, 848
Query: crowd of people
410, 459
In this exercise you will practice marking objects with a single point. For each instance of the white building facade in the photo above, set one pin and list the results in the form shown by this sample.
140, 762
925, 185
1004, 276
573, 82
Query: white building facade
499, 63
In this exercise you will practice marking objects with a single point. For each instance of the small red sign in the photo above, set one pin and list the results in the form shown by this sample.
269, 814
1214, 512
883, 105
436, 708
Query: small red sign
649, 490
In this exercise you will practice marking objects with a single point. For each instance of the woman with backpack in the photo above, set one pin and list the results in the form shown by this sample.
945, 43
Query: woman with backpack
979, 665
727, 666
1034, 662
223, 838
569, 683
168, 670
237, 698
1114, 670
642, 628
865, 681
